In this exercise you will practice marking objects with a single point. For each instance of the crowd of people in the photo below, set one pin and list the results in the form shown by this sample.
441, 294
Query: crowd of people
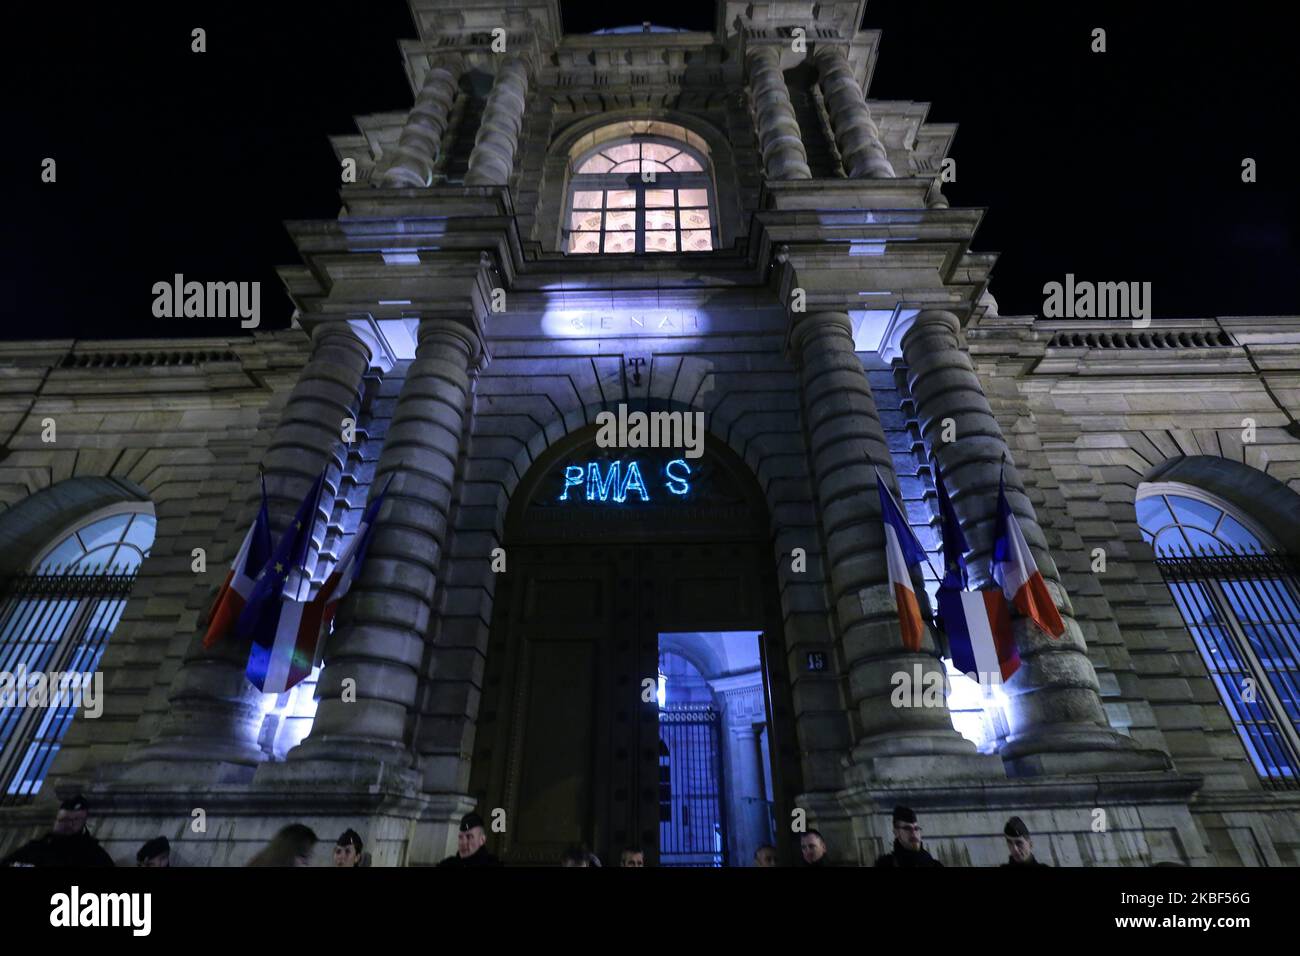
70, 844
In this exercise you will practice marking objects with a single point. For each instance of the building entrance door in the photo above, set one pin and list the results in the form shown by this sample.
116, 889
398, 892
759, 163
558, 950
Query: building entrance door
568, 737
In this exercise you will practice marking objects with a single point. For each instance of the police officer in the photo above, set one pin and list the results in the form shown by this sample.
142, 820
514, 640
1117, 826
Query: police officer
157, 852
68, 844
1019, 846
812, 847
908, 848
347, 851
471, 844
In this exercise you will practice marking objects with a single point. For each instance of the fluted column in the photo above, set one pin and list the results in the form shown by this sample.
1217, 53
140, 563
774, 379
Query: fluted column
214, 713
784, 156
845, 440
416, 152
493, 158
1056, 717
379, 640
856, 133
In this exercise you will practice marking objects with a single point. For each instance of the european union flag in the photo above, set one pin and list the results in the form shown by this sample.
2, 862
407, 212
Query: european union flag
259, 618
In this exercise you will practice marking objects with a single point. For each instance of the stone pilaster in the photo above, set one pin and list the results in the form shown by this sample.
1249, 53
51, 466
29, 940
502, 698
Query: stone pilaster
416, 153
784, 156
493, 158
1056, 716
214, 712
845, 441
856, 134
379, 639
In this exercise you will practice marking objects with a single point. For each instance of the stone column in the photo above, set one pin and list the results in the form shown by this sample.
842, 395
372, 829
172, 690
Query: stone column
1056, 717
784, 156
214, 712
417, 148
845, 441
856, 134
493, 158
379, 639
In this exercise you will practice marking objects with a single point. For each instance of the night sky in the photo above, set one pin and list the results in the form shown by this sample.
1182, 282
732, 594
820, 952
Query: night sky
1123, 166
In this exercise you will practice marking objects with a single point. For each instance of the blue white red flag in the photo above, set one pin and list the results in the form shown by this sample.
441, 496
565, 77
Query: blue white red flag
902, 551
1017, 573
242, 576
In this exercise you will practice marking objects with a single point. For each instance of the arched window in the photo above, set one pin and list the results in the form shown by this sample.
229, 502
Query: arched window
1240, 600
55, 621
640, 186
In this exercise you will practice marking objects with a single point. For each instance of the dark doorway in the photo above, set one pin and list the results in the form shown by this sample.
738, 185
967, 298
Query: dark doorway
568, 737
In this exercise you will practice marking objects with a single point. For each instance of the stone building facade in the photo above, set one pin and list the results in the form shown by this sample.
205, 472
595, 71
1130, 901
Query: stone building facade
826, 316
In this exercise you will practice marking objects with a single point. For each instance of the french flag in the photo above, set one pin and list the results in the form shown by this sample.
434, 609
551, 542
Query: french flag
902, 551
241, 579
978, 624
272, 620
1016, 572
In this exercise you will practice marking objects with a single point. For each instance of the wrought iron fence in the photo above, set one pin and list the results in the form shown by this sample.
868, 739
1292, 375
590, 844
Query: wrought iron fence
691, 819
1243, 611
54, 627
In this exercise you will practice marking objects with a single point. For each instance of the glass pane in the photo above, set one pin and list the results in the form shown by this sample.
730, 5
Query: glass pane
647, 166
108, 530
1153, 514
620, 242
68, 551
619, 221
95, 560
141, 532
1233, 533
695, 219
697, 241
658, 152
620, 199
658, 197
584, 242
623, 152
1201, 540
1196, 513
1171, 541
692, 197
684, 163
661, 219
631, 166
585, 221
661, 242
587, 200
596, 164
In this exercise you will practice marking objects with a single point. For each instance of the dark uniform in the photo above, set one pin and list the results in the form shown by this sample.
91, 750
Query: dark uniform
1016, 828
481, 856
901, 855
59, 849
79, 849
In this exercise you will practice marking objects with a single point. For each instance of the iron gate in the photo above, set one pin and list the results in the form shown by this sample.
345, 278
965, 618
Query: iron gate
691, 819
1243, 610
49, 623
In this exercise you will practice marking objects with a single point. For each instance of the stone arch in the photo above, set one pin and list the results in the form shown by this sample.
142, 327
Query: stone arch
28, 527
1262, 498
770, 446
722, 158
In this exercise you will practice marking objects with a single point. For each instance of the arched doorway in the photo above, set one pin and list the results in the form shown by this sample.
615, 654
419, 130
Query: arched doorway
611, 556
